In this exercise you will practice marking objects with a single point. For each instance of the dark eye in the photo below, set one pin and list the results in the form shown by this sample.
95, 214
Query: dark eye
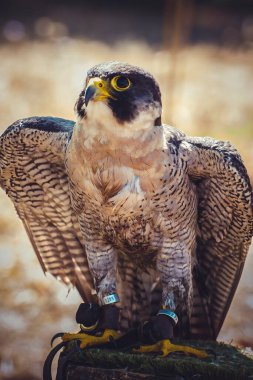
120, 83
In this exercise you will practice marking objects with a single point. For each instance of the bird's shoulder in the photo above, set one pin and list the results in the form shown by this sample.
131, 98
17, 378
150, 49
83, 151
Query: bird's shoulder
40, 123
36, 135
194, 148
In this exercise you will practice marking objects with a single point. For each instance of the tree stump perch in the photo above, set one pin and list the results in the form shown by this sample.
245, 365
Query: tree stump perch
227, 363
89, 373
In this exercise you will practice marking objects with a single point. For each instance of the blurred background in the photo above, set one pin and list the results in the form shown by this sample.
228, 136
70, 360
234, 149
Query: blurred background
201, 53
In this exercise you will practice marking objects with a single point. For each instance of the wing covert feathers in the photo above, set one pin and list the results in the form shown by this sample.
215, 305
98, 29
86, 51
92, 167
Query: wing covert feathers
32, 172
225, 223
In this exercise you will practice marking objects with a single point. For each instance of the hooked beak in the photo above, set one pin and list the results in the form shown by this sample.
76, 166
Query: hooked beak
96, 90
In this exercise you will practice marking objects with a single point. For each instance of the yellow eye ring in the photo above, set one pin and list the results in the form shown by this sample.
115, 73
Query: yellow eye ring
120, 83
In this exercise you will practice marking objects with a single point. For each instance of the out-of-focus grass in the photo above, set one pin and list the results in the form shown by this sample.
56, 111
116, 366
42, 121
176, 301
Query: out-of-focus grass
209, 93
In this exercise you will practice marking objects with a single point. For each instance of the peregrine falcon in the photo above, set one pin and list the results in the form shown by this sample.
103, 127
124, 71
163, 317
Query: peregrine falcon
151, 224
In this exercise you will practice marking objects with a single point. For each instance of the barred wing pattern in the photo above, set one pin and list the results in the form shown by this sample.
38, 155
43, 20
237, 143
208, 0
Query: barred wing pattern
32, 172
225, 225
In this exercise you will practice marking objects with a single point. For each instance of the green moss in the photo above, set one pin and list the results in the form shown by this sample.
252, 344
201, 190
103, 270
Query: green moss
226, 362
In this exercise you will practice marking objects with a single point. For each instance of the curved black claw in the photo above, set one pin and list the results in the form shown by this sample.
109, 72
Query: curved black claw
58, 335
49, 360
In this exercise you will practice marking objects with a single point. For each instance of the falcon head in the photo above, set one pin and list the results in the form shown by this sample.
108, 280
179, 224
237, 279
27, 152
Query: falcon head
127, 93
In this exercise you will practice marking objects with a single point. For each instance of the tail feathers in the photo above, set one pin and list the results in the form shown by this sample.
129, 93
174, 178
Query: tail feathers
199, 324
140, 295
135, 292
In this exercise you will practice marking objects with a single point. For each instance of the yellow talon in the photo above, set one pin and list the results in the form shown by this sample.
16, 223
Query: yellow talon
166, 347
91, 340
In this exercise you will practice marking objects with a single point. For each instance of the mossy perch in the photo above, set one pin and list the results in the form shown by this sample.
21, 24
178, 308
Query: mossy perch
226, 363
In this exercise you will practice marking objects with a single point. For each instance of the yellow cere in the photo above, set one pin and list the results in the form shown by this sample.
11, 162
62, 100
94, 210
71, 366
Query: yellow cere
102, 91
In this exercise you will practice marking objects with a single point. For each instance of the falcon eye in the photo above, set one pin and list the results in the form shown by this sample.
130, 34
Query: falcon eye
120, 83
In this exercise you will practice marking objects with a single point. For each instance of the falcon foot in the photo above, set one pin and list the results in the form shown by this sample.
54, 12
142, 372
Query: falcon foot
87, 340
98, 325
156, 334
166, 347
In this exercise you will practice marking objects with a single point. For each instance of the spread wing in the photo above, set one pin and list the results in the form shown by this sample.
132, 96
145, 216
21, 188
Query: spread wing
32, 172
225, 224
